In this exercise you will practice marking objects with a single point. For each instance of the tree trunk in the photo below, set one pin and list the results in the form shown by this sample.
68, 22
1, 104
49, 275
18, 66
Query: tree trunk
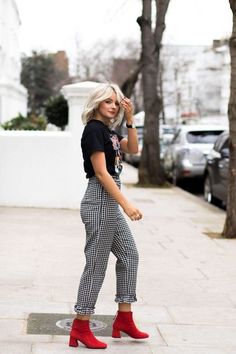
230, 222
150, 169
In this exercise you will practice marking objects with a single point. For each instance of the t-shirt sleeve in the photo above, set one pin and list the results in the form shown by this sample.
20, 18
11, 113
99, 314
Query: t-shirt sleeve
93, 141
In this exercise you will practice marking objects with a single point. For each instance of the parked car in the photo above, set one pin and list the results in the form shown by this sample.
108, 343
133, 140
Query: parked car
185, 157
166, 135
134, 159
216, 172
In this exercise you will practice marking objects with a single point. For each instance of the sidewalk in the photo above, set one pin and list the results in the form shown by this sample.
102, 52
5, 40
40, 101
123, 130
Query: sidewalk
186, 284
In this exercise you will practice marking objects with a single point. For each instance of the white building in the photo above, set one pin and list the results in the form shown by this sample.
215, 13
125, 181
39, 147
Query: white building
178, 79
13, 96
212, 86
196, 80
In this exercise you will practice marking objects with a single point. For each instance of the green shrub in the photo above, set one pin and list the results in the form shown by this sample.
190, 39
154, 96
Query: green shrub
31, 122
57, 111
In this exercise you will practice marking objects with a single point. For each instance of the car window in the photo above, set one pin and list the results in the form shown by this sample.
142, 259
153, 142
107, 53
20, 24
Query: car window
222, 141
139, 131
202, 137
225, 144
169, 130
218, 143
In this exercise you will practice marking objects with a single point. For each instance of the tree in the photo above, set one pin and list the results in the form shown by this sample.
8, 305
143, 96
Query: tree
129, 84
37, 76
57, 111
230, 222
96, 63
43, 74
150, 169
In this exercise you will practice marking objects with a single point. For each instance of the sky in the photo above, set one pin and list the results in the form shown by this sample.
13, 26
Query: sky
53, 25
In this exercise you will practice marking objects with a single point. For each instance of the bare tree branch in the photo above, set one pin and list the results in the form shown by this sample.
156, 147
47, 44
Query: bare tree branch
128, 86
161, 9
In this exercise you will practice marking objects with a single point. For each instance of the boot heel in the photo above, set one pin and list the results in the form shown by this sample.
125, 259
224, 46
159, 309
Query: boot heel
73, 342
116, 333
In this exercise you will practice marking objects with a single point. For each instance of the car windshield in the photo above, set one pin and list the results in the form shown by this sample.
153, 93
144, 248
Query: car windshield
140, 131
168, 130
203, 137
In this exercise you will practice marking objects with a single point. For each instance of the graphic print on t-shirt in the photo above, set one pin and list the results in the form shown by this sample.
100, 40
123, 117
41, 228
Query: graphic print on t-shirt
118, 158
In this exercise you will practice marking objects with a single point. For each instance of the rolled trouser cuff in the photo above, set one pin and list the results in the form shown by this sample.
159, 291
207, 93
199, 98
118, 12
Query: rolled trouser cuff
128, 299
84, 311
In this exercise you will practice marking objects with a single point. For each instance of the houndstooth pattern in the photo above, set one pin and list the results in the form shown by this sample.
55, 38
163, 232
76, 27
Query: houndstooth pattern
106, 231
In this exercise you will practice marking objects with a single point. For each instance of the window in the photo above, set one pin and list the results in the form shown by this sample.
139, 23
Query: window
225, 144
222, 141
203, 137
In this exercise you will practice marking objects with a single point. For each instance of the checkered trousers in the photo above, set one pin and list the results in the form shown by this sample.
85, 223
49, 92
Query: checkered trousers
106, 231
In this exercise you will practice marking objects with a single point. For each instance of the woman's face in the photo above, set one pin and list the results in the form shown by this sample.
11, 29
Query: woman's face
109, 108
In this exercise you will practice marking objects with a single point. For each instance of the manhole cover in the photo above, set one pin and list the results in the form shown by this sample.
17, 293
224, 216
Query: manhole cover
95, 325
60, 324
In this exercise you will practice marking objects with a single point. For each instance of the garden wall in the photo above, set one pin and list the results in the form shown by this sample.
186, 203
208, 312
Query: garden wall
45, 168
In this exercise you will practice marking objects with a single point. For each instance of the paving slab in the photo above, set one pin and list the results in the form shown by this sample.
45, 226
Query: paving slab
9, 328
13, 310
15, 348
125, 346
202, 336
213, 316
192, 350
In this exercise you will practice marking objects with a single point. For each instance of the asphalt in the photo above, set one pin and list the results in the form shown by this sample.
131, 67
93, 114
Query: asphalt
186, 284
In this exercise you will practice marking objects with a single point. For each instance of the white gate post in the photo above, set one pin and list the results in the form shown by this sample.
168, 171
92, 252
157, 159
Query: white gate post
76, 95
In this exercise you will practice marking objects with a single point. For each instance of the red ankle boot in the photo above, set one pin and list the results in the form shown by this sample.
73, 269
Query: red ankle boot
81, 332
124, 323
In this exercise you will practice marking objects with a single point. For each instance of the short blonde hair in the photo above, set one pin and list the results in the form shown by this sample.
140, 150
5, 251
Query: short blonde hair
99, 94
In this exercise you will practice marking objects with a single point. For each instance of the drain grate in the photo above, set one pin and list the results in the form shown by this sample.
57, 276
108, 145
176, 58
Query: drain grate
60, 324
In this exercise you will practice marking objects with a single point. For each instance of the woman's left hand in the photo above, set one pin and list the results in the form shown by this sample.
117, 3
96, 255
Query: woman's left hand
129, 109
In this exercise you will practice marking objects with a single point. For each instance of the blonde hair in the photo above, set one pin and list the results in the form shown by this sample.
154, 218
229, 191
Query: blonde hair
99, 94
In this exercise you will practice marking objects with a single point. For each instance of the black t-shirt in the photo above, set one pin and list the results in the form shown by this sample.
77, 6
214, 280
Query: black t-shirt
98, 137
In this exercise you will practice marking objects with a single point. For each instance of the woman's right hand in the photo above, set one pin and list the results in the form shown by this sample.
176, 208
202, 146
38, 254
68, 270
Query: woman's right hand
133, 213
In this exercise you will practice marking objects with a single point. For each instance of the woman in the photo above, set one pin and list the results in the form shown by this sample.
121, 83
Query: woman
105, 225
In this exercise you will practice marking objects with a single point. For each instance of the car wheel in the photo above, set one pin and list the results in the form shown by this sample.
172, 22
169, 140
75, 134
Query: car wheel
208, 196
